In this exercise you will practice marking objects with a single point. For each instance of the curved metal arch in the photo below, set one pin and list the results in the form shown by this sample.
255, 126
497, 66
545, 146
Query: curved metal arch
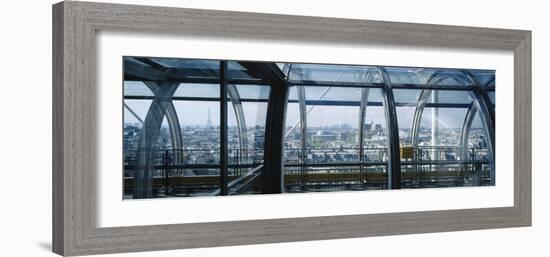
465, 133
434, 79
486, 109
480, 102
302, 122
394, 165
235, 99
491, 82
143, 177
171, 115
368, 76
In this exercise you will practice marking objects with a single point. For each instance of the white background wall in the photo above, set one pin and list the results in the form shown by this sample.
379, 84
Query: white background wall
25, 128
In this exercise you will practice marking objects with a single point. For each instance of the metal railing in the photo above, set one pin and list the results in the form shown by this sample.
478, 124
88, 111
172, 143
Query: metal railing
185, 172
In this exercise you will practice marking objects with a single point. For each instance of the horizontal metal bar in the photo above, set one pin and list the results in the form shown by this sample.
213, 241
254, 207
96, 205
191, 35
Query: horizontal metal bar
195, 80
195, 166
335, 164
190, 98
441, 162
333, 83
438, 105
433, 87
398, 104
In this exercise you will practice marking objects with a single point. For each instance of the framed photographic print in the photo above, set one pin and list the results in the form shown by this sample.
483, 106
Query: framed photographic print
183, 128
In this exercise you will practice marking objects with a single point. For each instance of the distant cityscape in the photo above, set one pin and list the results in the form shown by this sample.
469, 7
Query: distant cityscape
202, 142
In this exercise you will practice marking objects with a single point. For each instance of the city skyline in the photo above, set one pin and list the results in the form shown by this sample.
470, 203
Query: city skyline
196, 114
341, 128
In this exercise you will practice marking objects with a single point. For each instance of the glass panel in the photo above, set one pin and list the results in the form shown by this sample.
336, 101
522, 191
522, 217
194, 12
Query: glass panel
492, 96
375, 138
423, 76
254, 92
246, 133
485, 77
188, 68
136, 88
333, 73
441, 127
293, 133
336, 134
477, 141
375, 142
193, 169
134, 114
293, 94
406, 96
186, 63
199, 122
236, 71
332, 134
333, 94
405, 117
135, 111
198, 90
451, 97
411, 96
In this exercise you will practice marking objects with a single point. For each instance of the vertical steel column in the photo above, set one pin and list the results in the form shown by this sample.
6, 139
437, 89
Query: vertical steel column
272, 178
361, 125
394, 166
223, 129
435, 127
303, 130
361, 134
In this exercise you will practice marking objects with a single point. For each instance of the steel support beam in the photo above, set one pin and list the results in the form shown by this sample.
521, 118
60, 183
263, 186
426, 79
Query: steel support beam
394, 165
235, 99
464, 135
133, 113
272, 180
224, 170
172, 119
487, 114
417, 118
303, 131
143, 182
362, 118
467, 125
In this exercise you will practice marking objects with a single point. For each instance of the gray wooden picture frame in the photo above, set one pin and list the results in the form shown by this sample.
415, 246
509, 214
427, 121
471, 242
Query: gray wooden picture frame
75, 25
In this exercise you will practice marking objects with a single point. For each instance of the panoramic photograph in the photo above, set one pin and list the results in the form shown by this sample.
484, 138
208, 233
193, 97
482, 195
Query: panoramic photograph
194, 127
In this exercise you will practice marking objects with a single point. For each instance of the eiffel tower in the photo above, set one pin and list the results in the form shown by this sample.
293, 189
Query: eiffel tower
209, 122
